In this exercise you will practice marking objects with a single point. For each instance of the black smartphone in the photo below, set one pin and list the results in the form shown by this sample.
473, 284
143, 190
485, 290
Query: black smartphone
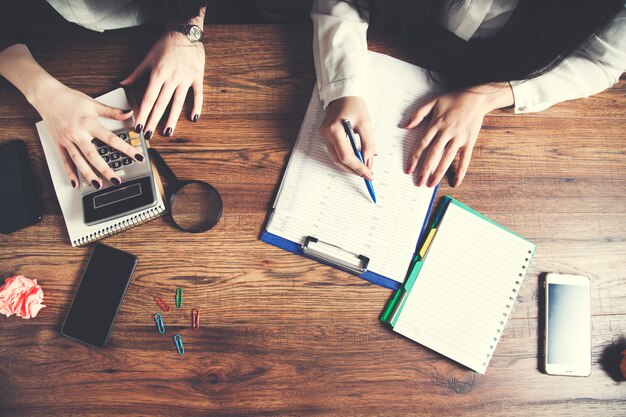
19, 204
99, 295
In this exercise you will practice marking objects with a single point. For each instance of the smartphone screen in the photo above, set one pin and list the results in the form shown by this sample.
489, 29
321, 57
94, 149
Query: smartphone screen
99, 295
568, 332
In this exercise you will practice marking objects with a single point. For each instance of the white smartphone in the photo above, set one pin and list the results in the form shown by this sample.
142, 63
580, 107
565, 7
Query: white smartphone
567, 346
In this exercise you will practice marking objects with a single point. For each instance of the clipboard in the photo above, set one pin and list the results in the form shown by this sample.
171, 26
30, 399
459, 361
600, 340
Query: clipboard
304, 220
326, 253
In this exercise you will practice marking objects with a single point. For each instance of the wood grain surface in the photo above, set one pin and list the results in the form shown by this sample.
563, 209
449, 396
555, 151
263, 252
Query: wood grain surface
282, 335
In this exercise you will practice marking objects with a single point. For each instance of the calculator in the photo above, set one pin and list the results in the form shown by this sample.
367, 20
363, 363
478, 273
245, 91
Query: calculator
137, 191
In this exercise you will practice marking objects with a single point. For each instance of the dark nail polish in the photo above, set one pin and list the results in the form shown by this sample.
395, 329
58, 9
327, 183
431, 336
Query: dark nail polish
73, 184
138, 128
115, 181
168, 132
96, 184
195, 117
128, 110
139, 157
148, 134
420, 180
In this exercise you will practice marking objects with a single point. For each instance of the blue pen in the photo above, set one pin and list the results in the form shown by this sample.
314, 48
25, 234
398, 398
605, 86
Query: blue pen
348, 128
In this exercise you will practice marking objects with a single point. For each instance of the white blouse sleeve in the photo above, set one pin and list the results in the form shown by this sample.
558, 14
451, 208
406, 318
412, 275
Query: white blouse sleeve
592, 68
339, 49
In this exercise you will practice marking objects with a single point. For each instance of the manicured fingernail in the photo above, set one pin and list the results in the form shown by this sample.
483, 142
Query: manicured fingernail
138, 128
73, 184
420, 180
432, 181
96, 184
195, 117
115, 181
168, 132
128, 110
139, 157
148, 134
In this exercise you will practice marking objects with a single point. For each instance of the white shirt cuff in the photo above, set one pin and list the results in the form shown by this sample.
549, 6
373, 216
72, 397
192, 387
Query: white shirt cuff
344, 88
522, 95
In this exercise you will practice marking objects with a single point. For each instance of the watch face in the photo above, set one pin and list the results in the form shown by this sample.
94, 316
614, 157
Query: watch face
195, 33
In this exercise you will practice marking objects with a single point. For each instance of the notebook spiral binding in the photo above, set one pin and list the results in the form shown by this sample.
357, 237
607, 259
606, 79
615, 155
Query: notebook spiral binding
125, 224
509, 307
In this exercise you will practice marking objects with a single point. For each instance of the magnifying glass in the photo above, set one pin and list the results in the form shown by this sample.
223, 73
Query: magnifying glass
195, 206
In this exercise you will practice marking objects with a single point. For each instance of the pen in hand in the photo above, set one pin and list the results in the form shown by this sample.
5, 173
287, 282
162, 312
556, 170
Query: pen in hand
350, 133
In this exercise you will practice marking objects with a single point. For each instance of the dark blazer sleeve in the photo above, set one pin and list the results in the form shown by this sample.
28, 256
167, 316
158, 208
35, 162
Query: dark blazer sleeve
8, 35
21, 21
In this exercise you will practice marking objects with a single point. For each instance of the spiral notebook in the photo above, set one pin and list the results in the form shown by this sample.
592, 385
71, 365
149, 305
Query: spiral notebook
462, 286
69, 198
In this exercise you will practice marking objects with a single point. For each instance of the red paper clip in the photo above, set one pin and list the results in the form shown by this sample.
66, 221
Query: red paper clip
195, 318
162, 304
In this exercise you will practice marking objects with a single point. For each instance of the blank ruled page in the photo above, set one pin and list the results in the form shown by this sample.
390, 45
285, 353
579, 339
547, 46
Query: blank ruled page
466, 288
318, 199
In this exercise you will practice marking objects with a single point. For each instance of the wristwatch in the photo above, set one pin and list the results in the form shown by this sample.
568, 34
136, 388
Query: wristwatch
192, 32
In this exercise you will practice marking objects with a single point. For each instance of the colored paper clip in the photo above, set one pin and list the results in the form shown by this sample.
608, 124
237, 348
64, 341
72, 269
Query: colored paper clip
195, 318
159, 322
178, 341
162, 304
179, 297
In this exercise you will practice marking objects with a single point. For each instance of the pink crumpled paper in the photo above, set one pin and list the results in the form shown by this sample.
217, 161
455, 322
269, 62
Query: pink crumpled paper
22, 296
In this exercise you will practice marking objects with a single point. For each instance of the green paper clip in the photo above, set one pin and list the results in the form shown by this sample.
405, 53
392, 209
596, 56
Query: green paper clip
159, 322
178, 341
179, 297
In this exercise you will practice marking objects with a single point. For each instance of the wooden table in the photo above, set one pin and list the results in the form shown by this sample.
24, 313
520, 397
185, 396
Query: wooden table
281, 335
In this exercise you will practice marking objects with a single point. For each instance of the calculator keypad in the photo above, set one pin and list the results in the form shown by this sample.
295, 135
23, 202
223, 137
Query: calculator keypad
126, 168
112, 156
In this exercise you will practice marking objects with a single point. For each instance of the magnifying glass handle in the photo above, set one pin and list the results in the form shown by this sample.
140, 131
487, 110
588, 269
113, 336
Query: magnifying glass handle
162, 165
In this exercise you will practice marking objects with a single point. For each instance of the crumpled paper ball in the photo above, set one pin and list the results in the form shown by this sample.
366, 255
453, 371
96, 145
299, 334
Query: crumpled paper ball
22, 296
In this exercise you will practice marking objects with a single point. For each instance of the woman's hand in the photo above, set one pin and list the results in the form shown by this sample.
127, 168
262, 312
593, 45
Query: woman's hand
71, 119
176, 64
456, 119
70, 116
339, 148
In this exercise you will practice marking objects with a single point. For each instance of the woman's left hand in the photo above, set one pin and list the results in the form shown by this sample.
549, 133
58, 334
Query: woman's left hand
456, 119
176, 64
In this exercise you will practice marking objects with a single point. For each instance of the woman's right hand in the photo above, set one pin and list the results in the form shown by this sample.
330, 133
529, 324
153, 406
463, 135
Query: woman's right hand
337, 143
72, 119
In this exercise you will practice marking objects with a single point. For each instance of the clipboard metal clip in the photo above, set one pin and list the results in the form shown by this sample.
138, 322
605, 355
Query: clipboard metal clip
332, 254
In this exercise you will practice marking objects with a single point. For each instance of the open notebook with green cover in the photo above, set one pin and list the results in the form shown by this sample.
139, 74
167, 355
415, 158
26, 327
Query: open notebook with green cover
461, 286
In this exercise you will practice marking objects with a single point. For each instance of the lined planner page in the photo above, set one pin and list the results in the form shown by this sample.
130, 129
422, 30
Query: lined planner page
466, 288
318, 199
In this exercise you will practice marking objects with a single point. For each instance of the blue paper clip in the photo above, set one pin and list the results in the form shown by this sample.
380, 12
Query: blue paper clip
178, 341
159, 322
179, 297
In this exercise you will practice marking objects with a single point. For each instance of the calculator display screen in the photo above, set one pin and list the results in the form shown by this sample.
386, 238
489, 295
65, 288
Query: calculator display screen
115, 196
116, 202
